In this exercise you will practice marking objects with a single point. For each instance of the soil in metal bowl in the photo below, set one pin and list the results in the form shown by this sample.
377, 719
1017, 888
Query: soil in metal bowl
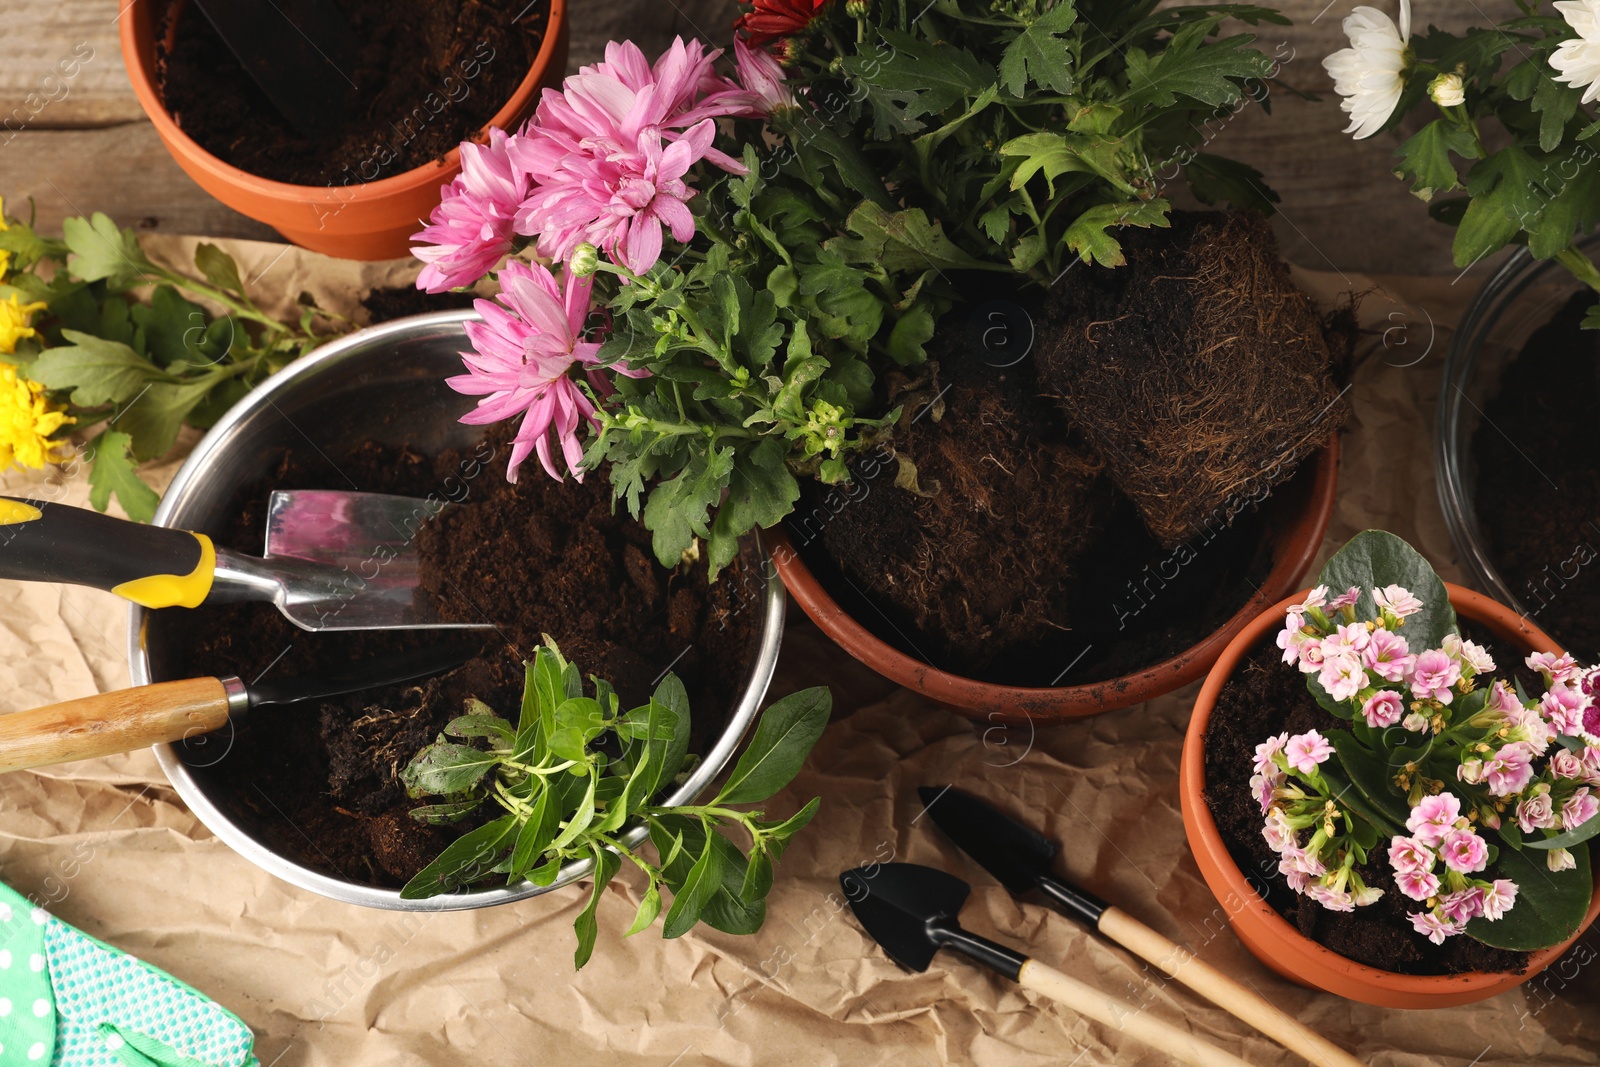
318, 782
427, 75
1024, 561
1538, 485
1263, 698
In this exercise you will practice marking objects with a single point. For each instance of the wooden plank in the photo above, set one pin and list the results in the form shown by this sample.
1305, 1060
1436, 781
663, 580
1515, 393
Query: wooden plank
63, 66
121, 170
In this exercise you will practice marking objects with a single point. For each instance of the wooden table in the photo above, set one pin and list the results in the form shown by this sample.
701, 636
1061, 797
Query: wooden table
84, 145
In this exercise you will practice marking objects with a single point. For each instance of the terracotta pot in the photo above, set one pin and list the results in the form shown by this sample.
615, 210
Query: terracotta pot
1295, 546
1266, 933
371, 220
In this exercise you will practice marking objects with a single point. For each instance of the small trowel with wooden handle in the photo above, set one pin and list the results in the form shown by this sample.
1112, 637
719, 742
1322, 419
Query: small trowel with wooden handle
334, 560
146, 715
1022, 859
912, 912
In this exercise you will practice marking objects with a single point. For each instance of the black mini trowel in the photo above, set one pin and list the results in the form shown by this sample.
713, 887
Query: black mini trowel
912, 912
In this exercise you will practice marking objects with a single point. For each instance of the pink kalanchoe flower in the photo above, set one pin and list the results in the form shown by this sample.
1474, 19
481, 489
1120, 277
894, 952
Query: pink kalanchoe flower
1383, 708
1503, 699
1433, 817
1559, 859
1416, 883
1314, 599
1306, 751
1510, 769
1435, 928
1397, 601
1292, 637
471, 229
1342, 676
1265, 751
1464, 851
1311, 656
1477, 657
1330, 898
1264, 787
1278, 833
1562, 706
1347, 599
1433, 675
1463, 905
1535, 813
1388, 656
1554, 668
524, 348
1409, 854
1499, 898
1346, 640
1579, 809
1565, 764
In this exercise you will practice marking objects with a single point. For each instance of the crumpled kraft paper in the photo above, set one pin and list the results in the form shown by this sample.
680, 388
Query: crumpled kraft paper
108, 847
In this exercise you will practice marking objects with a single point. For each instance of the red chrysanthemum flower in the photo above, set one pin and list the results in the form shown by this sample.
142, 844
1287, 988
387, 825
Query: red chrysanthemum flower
770, 20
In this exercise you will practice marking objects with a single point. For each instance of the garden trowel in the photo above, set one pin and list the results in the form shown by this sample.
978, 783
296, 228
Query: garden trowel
334, 560
121, 721
912, 912
1021, 859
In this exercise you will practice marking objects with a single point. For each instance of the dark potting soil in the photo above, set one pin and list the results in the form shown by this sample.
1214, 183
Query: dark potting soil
399, 301
1265, 697
1538, 484
1197, 371
1028, 566
428, 74
318, 782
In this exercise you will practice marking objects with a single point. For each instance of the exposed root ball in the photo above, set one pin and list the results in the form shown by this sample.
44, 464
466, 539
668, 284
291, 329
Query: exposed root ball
1197, 372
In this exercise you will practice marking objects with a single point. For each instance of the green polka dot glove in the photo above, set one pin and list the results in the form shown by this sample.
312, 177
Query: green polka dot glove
71, 1001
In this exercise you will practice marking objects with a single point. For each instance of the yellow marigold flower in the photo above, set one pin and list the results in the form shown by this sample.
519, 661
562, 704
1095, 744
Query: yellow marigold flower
14, 321
27, 419
5, 257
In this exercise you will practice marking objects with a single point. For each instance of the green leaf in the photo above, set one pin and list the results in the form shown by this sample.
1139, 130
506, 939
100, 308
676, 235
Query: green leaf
1375, 559
219, 268
578, 722
543, 691
464, 860
914, 329
784, 737
101, 252
172, 329
678, 510
1182, 67
1425, 157
761, 491
702, 883
1572, 211
1372, 774
1556, 103
446, 769
96, 370
1550, 906
1506, 198
580, 819
1087, 235
649, 908
606, 863
904, 78
1215, 179
445, 814
777, 834
1039, 55
1568, 838
537, 832
898, 241
1055, 154
154, 417
757, 878
113, 471
481, 722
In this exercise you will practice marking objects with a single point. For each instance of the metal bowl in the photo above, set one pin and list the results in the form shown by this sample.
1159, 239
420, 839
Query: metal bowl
383, 383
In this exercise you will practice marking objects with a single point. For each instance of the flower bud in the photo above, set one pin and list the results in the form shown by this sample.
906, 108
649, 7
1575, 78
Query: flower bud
584, 260
1447, 90
857, 9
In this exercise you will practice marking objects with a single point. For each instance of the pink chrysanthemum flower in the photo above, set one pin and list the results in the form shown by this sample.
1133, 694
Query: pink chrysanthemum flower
524, 348
608, 152
762, 78
471, 229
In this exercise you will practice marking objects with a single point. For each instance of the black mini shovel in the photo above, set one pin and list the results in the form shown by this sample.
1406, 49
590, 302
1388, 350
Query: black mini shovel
1023, 859
912, 912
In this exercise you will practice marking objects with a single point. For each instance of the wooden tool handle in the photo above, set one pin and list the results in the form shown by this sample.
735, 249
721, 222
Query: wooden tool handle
1130, 1019
1180, 963
112, 722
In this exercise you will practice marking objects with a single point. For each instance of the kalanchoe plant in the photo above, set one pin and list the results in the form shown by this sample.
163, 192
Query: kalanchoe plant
763, 250
1540, 184
79, 349
1479, 797
575, 773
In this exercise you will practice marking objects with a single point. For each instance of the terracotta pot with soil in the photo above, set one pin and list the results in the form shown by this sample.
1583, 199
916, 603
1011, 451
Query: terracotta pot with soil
429, 76
1371, 954
313, 794
1085, 525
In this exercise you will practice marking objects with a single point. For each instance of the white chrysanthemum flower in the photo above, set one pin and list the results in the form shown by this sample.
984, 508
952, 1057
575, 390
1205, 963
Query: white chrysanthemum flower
1577, 62
1447, 90
1369, 74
